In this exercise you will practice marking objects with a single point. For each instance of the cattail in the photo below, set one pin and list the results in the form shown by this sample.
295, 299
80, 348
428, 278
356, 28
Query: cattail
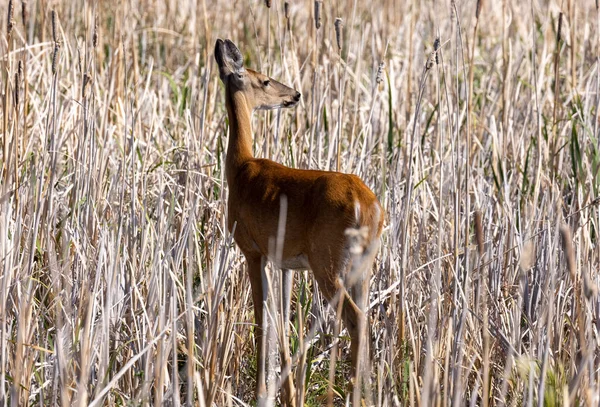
527, 257
10, 19
80, 55
16, 90
565, 233
268, 3
54, 36
18, 75
339, 24
56, 42
95, 33
286, 13
430, 60
436, 47
559, 30
590, 290
379, 77
318, 14
24, 11
478, 9
479, 232
18, 79
87, 83
55, 57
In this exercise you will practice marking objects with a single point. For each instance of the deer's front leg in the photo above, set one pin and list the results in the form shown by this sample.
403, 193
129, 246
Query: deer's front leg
259, 299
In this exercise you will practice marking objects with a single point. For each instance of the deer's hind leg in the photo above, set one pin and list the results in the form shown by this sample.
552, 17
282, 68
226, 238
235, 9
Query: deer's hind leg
289, 390
332, 270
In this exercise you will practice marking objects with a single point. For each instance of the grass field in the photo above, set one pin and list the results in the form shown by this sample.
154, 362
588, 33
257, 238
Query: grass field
120, 284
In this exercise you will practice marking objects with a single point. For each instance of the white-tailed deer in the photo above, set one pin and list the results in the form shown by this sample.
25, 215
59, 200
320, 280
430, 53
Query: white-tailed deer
326, 211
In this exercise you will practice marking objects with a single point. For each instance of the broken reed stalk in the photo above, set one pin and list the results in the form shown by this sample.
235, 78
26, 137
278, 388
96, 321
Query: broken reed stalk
338, 36
469, 133
597, 103
52, 145
5, 187
483, 287
10, 23
573, 45
565, 233
479, 232
16, 147
553, 148
406, 206
580, 322
334, 353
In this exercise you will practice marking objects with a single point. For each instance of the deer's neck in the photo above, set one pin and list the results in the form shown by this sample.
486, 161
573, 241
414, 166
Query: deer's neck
240, 133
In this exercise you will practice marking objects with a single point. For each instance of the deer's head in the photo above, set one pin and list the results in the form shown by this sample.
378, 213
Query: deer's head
260, 91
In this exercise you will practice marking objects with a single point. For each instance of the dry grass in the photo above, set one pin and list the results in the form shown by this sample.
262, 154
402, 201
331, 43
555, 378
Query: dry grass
121, 286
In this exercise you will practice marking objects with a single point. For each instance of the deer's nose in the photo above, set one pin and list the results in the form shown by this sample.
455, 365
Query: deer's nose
297, 96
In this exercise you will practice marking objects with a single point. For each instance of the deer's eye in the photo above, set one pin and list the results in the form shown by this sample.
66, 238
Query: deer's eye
266, 83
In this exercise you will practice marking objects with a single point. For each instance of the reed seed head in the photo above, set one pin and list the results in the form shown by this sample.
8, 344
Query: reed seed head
318, 14
339, 24
379, 77
95, 33
430, 60
87, 84
18, 77
16, 90
55, 57
527, 259
286, 9
17, 83
24, 11
565, 233
590, 289
54, 36
10, 20
80, 55
268, 3
436, 47
478, 9
479, 232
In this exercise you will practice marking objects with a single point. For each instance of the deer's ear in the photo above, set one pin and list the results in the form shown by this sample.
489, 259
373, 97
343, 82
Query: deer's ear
229, 58
234, 55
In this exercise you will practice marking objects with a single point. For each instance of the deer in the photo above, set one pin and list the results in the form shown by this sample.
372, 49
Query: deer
326, 214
